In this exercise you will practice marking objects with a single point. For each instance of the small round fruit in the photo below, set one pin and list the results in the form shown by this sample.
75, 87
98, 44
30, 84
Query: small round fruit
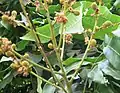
106, 24
49, 1
93, 43
26, 55
9, 54
89, 30
76, 12
13, 46
5, 18
94, 6
20, 70
1, 52
50, 46
14, 13
97, 28
25, 63
61, 1
14, 66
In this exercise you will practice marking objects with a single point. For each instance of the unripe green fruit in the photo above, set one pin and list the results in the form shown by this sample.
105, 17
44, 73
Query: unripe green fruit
5, 18
50, 46
24, 63
14, 13
89, 30
49, 1
1, 52
106, 24
94, 6
61, 1
97, 28
93, 43
14, 66
13, 46
26, 55
9, 54
76, 12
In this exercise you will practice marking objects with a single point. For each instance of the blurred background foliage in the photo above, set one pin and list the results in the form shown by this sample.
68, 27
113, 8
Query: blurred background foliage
20, 84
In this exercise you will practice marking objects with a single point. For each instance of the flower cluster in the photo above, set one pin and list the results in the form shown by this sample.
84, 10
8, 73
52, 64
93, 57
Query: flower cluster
9, 19
5, 47
61, 18
68, 38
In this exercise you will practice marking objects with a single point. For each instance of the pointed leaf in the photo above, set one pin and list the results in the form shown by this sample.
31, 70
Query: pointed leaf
74, 24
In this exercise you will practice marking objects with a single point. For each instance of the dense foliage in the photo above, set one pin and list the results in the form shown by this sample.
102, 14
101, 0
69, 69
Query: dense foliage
59, 46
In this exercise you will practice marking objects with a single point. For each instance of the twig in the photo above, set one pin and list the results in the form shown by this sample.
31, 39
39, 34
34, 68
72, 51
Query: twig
45, 80
87, 49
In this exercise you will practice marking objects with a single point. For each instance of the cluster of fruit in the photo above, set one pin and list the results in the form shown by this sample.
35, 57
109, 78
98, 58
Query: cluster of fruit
68, 38
61, 18
5, 47
9, 18
22, 67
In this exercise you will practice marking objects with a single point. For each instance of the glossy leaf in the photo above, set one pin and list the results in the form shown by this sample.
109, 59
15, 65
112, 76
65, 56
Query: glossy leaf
43, 32
49, 89
21, 45
117, 32
7, 79
3, 59
106, 15
112, 52
74, 24
70, 61
96, 75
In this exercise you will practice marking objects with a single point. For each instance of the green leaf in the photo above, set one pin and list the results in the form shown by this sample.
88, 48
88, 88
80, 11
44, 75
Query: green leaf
35, 57
3, 59
104, 89
108, 69
74, 66
49, 89
70, 61
117, 32
112, 72
96, 75
39, 81
7, 79
54, 8
117, 4
106, 15
112, 56
43, 32
21, 45
74, 24
112, 52
77, 88
6, 25
53, 59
